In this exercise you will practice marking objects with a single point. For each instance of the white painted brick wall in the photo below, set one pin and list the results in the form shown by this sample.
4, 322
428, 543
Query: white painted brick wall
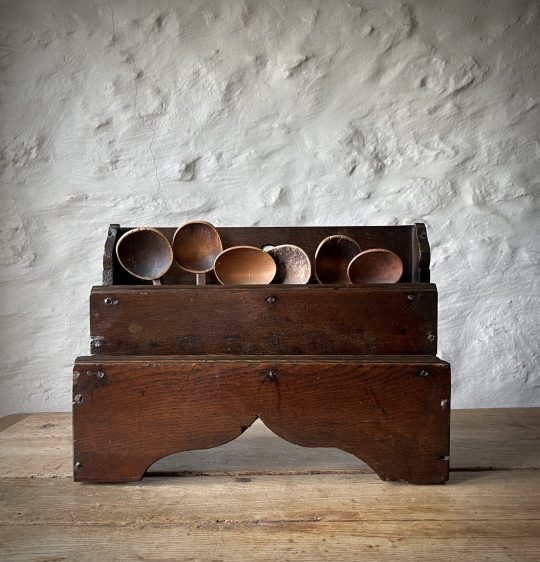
271, 113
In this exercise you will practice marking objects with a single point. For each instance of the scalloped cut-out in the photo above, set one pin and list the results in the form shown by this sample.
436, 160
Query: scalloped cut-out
258, 450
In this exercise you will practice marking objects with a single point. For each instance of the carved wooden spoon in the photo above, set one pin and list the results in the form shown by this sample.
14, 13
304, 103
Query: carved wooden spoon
293, 265
332, 258
244, 265
376, 265
145, 253
196, 246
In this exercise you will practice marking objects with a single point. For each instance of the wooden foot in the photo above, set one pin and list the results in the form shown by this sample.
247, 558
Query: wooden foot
394, 417
390, 411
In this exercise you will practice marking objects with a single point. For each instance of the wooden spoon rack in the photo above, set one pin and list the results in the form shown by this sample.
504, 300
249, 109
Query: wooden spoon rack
182, 366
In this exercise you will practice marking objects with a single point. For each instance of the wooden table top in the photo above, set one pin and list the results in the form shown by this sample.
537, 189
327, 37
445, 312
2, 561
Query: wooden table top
261, 498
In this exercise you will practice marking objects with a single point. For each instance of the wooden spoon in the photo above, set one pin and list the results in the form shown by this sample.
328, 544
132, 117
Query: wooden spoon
145, 253
332, 258
244, 265
196, 246
376, 265
293, 265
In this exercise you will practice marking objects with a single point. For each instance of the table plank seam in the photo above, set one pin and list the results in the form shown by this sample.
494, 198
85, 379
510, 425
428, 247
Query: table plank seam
200, 523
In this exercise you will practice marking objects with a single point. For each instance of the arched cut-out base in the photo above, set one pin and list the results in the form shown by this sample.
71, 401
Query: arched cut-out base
129, 412
257, 451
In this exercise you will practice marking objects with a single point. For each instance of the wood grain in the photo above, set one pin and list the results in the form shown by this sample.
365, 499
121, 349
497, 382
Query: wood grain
110, 260
244, 265
196, 245
392, 412
270, 499
332, 258
421, 253
303, 541
266, 320
334, 517
481, 515
476, 517
496, 439
145, 253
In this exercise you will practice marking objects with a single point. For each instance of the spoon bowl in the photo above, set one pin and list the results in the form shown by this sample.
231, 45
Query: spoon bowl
145, 253
244, 265
196, 245
293, 265
332, 258
376, 265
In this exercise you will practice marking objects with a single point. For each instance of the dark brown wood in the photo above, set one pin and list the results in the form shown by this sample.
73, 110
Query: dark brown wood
188, 366
109, 254
400, 239
145, 253
392, 412
293, 319
421, 253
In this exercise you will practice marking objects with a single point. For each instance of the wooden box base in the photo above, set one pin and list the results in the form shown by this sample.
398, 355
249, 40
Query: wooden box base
391, 411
